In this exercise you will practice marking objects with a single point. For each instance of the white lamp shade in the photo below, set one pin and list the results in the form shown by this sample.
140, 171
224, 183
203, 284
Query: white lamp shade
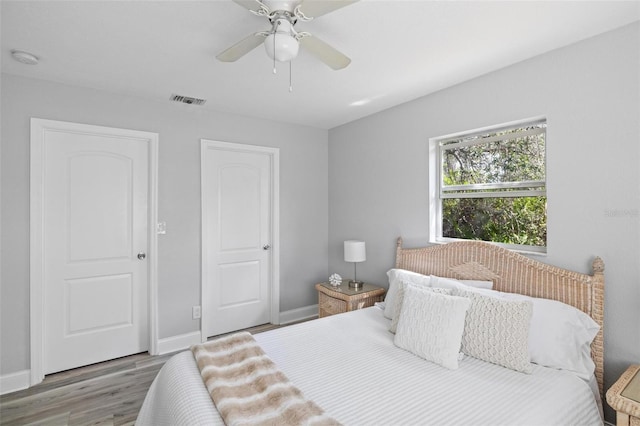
354, 251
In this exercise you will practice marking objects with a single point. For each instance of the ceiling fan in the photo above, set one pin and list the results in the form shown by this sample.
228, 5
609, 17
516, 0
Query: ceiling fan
282, 41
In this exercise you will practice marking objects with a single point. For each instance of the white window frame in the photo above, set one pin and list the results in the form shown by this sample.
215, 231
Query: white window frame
437, 194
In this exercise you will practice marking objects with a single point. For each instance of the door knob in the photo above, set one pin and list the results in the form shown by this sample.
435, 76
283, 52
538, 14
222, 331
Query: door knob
266, 247
142, 255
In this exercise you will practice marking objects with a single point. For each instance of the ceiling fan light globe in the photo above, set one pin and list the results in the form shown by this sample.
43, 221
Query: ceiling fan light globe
281, 46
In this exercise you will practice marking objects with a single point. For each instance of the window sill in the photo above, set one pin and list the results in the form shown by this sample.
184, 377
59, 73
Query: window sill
524, 250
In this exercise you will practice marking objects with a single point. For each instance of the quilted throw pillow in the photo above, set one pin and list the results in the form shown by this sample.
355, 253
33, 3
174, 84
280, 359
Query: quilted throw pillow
431, 326
497, 331
399, 300
395, 277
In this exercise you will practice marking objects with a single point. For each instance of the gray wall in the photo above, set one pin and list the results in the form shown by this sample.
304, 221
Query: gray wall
590, 94
303, 197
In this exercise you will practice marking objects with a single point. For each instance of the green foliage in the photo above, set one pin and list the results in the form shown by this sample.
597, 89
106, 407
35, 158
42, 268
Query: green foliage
511, 160
518, 220
504, 220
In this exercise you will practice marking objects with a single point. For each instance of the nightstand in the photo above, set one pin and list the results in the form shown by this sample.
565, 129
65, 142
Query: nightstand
336, 300
624, 397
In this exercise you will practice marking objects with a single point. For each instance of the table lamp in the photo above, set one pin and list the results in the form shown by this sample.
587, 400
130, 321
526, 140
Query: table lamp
354, 251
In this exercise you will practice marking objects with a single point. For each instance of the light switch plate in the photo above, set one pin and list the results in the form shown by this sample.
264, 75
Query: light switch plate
161, 228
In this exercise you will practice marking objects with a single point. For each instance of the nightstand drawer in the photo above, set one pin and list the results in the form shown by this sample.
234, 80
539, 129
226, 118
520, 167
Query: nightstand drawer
339, 299
327, 305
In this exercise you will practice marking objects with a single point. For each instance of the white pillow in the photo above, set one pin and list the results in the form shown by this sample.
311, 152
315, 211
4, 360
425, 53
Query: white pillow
431, 326
478, 284
451, 283
560, 336
448, 283
399, 301
497, 330
395, 276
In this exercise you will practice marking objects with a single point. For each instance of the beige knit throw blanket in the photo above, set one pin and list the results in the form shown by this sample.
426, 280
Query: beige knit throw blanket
247, 387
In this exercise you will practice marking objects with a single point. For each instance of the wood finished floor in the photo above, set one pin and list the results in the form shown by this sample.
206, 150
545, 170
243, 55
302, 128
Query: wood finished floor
108, 393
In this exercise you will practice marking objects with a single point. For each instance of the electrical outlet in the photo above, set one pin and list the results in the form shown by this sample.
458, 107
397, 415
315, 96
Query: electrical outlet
195, 311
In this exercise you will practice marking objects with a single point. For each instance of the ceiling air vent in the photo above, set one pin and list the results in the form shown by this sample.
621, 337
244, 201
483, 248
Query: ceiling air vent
188, 100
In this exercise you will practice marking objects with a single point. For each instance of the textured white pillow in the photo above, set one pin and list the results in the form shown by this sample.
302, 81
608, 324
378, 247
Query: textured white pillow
560, 336
497, 330
395, 276
431, 326
399, 300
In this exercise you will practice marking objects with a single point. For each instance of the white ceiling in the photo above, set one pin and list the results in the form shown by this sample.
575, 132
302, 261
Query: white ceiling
400, 50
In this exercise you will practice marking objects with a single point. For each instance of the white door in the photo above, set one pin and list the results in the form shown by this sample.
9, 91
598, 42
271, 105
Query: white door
237, 205
95, 226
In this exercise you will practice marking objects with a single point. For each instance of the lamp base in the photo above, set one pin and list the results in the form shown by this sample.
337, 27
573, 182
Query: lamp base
355, 284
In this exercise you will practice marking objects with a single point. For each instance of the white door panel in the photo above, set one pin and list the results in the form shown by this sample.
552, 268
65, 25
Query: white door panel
239, 284
100, 184
237, 235
240, 200
95, 224
98, 303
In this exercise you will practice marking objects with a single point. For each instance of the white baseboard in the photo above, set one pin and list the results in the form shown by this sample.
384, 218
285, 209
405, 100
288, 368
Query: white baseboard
298, 314
183, 341
20, 380
14, 381
178, 343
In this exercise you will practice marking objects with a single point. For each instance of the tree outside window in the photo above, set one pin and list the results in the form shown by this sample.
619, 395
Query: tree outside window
491, 186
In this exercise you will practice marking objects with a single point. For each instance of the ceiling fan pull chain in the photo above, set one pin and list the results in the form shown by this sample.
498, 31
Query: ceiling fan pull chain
290, 73
275, 31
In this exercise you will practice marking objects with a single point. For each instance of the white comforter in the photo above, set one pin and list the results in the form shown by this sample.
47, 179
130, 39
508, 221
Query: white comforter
349, 366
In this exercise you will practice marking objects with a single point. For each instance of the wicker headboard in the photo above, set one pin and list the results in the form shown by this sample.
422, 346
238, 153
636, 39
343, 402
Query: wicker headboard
514, 273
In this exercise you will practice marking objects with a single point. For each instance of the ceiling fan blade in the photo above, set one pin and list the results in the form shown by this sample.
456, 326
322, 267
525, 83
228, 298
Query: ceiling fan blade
241, 48
248, 4
315, 8
324, 52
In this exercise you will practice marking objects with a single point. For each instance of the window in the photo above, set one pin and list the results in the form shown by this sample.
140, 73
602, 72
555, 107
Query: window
490, 185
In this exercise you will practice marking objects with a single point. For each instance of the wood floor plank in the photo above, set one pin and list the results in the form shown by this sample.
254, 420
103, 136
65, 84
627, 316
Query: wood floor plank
58, 419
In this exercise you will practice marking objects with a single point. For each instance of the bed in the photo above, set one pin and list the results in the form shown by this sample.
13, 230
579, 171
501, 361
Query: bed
351, 365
